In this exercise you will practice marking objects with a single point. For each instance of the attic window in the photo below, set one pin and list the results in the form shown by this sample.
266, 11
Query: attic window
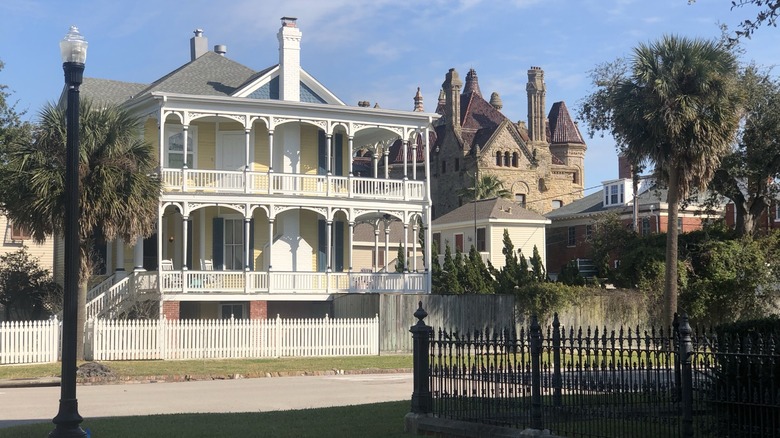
506, 159
614, 194
498, 158
515, 160
20, 232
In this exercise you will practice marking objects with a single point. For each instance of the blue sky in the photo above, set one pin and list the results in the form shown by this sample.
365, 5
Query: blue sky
375, 50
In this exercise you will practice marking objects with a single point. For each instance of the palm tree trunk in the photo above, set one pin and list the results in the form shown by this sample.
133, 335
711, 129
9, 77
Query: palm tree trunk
670, 279
81, 319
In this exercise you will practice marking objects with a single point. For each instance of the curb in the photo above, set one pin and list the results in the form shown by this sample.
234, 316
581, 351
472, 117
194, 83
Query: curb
88, 381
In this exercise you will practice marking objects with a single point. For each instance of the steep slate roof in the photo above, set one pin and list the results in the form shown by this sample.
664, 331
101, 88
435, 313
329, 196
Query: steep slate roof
494, 208
209, 75
561, 127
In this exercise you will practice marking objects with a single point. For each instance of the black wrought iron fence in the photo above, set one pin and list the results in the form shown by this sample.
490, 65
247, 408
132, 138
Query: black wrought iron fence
601, 383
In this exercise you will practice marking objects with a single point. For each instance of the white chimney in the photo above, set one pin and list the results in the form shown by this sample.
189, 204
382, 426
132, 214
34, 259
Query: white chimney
289, 60
199, 45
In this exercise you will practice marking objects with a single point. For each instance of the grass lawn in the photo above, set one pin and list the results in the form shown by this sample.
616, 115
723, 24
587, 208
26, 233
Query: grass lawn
373, 420
226, 367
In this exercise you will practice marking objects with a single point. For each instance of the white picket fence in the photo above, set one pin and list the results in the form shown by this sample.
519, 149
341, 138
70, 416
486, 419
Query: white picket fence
29, 341
231, 338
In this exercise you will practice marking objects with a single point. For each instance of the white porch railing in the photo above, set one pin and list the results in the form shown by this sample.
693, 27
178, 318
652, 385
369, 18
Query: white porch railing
231, 338
29, 341
118, 297
227, 181
234, 282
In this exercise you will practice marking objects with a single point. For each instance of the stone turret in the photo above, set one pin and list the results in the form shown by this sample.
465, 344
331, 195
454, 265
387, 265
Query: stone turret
495, 101
418, 101
472, 84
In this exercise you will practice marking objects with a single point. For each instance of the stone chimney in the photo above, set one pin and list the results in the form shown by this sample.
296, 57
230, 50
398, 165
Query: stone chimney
624, 167
418, 101
536, 105
451, 86
199, 45
289, 60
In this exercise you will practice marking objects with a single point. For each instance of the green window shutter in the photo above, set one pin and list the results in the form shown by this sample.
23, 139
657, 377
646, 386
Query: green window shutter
322, 246
218, 241
188, 257
339, 239
339, 154
322, 154
251, 244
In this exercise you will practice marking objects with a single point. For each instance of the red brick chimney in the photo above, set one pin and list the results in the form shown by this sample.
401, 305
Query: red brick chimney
624, 168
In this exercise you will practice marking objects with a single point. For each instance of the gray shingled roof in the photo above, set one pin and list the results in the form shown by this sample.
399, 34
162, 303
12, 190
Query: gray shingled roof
108, 91
209, 75
592, 203
495, 208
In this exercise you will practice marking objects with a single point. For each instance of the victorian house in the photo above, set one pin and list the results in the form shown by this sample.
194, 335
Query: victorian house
260, 205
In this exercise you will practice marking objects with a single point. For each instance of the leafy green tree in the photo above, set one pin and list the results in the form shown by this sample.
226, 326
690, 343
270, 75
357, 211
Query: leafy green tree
675, 106
538, 273
119, 189
12, 128
437, 274
488, 186
748, 175
450, 283
27, 291
768, 11
608, 239
476, 278
400, 261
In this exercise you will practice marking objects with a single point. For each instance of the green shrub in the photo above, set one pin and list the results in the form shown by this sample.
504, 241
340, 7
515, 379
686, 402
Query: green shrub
543, 299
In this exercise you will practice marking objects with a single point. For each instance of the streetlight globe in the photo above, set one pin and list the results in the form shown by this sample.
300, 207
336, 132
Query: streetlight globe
73, 47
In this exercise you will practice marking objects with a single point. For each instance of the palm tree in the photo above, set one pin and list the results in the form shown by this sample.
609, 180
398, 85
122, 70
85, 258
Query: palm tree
486, 187
118, 189
676, 106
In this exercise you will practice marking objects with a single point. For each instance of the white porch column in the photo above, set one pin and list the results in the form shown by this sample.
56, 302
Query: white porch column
376, 248
375, 162
351, 242
138, 254
270, 248
406, 247
428, 243
427, 179
110, 251
414, 246
387, 245
329, 244
270, 152
387, 161
185, 229
405, 145
247, 223
161, 237
414, 161
351, 151
202, 235
161, 140
185, 130
247, 150
328, 146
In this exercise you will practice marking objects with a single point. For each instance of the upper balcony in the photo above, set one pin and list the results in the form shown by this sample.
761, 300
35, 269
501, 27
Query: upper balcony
269, 183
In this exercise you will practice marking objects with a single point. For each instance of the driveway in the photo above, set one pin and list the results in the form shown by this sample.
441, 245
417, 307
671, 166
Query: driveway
27, 405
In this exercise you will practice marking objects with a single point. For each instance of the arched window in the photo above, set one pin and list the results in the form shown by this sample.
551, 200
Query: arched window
515, 160
498, 158
506, 159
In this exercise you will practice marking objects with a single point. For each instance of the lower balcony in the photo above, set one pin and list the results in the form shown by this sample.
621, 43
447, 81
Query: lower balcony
235, 282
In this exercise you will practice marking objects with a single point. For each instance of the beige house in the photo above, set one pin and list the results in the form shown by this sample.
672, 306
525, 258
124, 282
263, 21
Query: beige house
16, 237
482, 224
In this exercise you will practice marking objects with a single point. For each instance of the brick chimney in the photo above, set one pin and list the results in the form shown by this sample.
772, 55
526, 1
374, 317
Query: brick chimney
199, 45
624, 167
289, 60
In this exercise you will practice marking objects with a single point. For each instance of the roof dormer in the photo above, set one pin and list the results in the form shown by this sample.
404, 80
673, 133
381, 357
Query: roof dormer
618, 192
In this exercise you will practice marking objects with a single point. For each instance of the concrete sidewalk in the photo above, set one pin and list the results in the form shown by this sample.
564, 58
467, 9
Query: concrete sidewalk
30, 383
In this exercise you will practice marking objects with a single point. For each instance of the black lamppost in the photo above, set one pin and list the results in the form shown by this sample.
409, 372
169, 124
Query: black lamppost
74, 52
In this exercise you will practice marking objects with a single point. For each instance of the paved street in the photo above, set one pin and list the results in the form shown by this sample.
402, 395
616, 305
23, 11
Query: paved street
25, 405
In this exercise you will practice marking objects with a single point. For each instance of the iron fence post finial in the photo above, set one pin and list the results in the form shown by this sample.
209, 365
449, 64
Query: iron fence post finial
422, 402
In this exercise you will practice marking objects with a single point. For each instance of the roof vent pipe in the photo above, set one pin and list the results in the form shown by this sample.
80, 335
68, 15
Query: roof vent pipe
221, 49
